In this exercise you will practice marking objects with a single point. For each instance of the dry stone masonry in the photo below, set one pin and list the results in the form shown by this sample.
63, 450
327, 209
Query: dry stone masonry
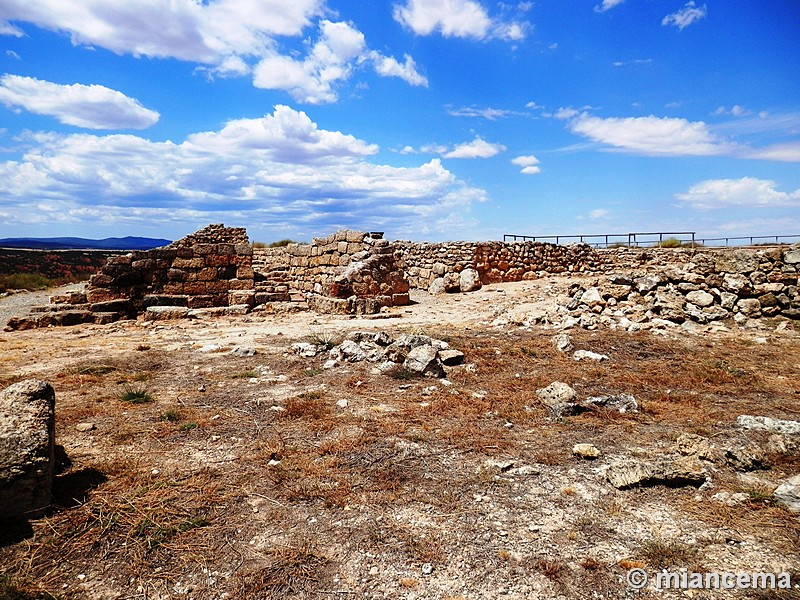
354, 272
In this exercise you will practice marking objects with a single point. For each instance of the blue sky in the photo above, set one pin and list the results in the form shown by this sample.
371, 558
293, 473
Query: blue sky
426, 119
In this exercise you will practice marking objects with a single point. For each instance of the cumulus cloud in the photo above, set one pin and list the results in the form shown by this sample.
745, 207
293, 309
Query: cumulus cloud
735, 110
282, 170
649, 135
456, 18
87, 106
747, 191
228, 38
477, 148
528, 163
388, 66
690, 13
607, 5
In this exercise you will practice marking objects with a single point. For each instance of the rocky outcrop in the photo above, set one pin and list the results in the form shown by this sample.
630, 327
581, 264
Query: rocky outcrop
27, 448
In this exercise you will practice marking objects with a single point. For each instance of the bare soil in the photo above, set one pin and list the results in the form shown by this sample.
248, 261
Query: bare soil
248, 477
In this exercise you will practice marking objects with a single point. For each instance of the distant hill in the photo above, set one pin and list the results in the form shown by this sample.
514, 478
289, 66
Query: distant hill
74, 243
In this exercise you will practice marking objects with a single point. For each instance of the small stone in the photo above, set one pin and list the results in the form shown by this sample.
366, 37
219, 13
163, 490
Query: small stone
342, 403
427, 569
563, 342
586, 451
580, 355
451, 357
700, 298
305, 349
83, 427
788, 493
243, 351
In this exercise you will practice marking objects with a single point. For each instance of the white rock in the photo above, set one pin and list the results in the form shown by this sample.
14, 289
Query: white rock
580, 355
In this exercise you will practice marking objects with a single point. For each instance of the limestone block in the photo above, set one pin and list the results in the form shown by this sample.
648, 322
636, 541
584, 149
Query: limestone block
27, 448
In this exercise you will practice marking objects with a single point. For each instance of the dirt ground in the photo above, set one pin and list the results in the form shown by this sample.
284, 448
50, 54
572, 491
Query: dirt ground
268, 476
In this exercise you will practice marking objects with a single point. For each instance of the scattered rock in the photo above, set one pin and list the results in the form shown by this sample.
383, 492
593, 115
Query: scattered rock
591, 297
243, 351
424, 360
747, 458
305, 349
83, 427
563, 342
450, 357
730, 499
27, 448
580, 355
452, 283
677, 472
589, 451
788, 493
689, 444
348, 351
556, 393
437, 286
622, 403
769, 424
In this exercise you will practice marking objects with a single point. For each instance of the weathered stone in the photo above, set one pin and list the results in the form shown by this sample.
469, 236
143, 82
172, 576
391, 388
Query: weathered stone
451, 357
700, 298
563, 342
452, 282
27, 448
469, 280
677, 472
769, 424
558, 397
788, 493
580, 355
424, 360
589, 451
591, 297
161, 313
792, 257
749, 306
621, 403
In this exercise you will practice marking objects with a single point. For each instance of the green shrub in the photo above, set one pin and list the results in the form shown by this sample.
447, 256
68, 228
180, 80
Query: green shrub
281, 243
24, 281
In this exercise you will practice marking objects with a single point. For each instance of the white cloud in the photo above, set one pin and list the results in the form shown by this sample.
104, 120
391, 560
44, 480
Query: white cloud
651, 135
598, 214
735, 110
788, 152
282, 170
690, 13
490, 114
747, 191
477, 148
607, 5
229, 38
637, 61
311, 80
88, 106
528, 163
12, 54
455, 18
388, 66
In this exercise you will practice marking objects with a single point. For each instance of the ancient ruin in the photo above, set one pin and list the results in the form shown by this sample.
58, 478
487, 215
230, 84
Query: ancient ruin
352, 272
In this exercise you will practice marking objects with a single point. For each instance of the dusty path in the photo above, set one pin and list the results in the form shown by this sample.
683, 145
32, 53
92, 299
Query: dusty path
17, 305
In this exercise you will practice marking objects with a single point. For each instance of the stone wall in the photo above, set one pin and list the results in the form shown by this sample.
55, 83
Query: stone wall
211, 267
698, 284
345, 272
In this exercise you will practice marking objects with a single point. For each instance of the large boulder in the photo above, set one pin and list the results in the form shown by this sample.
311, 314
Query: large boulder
27, 448
469, 280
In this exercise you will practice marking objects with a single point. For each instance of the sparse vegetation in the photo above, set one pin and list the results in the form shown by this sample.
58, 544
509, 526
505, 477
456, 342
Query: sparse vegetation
278, 490
24, 281
138, 395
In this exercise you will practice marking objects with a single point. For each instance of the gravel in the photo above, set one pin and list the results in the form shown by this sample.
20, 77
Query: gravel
19, 305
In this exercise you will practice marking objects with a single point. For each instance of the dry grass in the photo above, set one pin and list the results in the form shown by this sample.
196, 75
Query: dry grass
394, 475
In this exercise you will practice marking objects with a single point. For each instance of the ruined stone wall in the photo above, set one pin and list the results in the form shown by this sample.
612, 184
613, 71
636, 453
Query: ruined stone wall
700, 284
345, 272
211, 267
494, 261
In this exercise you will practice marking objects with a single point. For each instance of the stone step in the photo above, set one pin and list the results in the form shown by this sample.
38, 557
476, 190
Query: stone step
165, 300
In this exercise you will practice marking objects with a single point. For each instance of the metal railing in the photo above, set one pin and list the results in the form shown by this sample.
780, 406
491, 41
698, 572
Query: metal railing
656, 238
604, 240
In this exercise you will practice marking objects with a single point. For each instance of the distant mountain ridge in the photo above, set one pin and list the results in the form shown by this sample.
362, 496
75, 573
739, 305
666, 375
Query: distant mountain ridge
76, 243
